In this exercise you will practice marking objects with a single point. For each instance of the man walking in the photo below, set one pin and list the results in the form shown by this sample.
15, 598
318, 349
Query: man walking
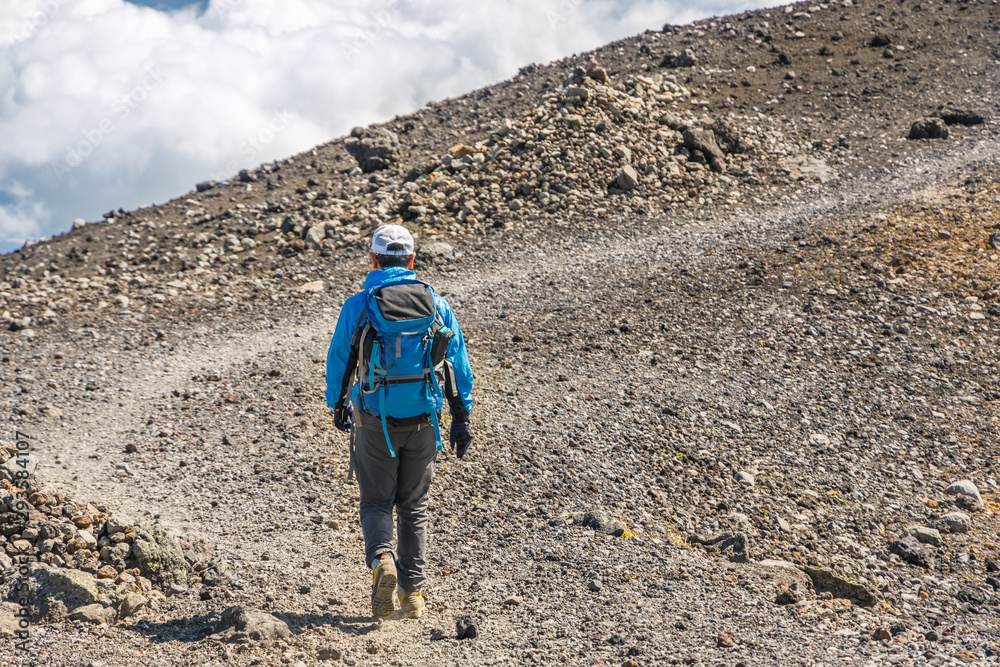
396, 355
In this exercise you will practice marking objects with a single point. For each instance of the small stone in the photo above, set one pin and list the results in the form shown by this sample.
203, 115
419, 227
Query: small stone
956, 522
927, 535
628, 178
132, 603
107, 572
329, 653
465, 628
89, 541
725, 639
911, 551
928, 128
745, 478
787, 596
437, 634
312, 286
82, 521
50, 411
595, 585
513, 601
173, 589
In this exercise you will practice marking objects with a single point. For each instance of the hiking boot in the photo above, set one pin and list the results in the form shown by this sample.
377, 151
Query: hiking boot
412, 603
383, 586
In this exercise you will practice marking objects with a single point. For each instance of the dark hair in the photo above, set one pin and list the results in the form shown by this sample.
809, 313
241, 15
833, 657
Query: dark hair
387, 261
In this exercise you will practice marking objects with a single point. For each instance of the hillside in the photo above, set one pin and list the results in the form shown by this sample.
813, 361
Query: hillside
734, 336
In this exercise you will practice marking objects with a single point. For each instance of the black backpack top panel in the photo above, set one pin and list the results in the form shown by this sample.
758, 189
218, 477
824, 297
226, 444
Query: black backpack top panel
405, 302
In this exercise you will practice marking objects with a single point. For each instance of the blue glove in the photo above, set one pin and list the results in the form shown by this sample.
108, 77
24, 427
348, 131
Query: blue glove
343, 417
461, 438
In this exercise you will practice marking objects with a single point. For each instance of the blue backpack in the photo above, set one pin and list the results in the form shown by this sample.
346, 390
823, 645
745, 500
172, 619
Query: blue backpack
399, 347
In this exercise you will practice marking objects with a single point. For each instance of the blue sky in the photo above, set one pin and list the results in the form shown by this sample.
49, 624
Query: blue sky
114, 103
168, 5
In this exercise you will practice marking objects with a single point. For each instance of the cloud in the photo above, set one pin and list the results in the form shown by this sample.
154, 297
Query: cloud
107, 104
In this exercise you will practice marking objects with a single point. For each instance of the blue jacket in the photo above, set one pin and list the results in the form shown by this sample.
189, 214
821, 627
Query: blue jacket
340, 346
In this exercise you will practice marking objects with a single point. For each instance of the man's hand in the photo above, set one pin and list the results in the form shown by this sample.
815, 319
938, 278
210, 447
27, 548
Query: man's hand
343, 417
461, 438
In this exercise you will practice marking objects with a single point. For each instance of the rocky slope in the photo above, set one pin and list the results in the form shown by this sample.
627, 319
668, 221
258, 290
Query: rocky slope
734, 338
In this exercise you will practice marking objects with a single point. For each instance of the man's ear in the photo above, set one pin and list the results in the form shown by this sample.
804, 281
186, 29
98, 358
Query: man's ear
374, 261
412, 257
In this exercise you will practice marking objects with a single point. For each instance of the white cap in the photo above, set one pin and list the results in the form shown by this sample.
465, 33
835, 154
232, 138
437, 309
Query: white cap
392, 240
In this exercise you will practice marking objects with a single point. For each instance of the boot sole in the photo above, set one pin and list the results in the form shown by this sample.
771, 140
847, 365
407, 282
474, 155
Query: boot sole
385, 589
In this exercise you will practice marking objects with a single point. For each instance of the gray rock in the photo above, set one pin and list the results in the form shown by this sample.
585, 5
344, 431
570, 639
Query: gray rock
745, 478
132, 603
956, 522
781, 573
576, 95
827, 581
926, 535
968, 489
160, 557
53, 592
465, 628
735, 546
595, 585
329, 653
19, 464
93, 613
683, 59
627, 179
436, 253
911, 551
928, 128
240, 623
315, 236
374, 148
704, 141
118, 523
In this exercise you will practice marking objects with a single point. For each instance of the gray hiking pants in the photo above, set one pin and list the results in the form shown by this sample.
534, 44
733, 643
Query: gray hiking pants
403, 482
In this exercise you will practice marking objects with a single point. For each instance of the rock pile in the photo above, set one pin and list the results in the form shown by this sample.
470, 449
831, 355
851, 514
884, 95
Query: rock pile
87, 562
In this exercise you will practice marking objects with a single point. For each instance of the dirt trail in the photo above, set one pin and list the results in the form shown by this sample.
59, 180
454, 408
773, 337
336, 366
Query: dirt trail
102, 432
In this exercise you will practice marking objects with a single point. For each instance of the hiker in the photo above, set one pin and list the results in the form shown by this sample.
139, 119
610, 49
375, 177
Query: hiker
396, 354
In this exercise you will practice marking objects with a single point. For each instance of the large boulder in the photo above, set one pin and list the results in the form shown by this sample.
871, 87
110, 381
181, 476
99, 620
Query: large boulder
95, 613
160, 557
52, 593
967, 494
374, 148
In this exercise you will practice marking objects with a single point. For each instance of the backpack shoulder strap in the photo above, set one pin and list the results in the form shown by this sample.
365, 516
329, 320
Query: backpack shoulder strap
352, 362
